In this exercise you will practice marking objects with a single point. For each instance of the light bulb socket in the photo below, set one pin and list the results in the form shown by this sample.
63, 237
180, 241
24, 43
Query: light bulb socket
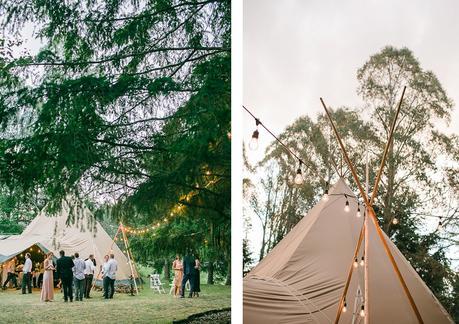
298, 171
347, 203
255, 134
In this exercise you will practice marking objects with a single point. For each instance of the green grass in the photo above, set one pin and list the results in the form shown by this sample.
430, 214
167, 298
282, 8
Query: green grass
148, 307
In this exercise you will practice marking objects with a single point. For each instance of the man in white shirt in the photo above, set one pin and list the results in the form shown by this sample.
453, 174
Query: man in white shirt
78, 277
110, 269
27, 274
88, 275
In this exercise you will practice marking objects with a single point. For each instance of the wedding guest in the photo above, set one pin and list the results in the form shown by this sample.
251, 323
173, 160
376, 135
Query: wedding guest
47, 290
65, 274
188, 269
102, 271
11, 274
27, 275
88, 275
177, 266
197, 276
110, 276
78, 276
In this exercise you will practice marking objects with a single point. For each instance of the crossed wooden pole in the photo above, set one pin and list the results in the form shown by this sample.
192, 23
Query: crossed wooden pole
132, 265
371, 213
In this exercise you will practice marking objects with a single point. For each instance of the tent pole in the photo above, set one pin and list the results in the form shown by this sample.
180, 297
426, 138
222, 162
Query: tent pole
365, 271
373, 217
365, 248
349, 276
128, 250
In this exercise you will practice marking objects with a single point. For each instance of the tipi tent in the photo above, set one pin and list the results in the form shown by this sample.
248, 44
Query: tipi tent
302, 279
51, 233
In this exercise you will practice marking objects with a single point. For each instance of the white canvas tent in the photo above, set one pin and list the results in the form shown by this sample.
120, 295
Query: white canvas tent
85, 236
302, 279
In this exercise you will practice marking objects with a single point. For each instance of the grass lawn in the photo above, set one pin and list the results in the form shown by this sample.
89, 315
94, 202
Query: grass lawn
148, 307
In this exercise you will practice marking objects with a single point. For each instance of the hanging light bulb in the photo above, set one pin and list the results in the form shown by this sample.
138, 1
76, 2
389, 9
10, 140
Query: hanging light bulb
346, 207
356, 263
362, 261
362, 311
325, 197
358, 211
344, 310
253, 144
440, 226
395, 220
299, 175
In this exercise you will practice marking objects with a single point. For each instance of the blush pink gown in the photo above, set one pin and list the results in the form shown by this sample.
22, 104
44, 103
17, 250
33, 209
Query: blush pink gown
47, 290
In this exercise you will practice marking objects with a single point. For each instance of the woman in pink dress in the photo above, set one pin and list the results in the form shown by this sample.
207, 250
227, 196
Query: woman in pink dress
177, 266
47, 290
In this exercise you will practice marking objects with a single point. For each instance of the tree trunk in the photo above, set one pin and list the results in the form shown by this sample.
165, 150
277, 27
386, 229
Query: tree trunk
167, 272
390, 190
228, 276
210, 273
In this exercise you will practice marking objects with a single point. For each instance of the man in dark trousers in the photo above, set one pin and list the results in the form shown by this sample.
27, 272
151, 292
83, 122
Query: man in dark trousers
11, 276
188, 270
64, 272
27, 274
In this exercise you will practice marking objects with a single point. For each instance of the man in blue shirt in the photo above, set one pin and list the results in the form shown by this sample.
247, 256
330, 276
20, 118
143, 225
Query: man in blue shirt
78, 277
109, 270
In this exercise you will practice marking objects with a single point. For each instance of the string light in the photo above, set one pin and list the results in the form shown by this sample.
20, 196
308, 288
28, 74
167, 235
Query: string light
346, 206
440, 225
395, 220
362, 311
326, 196
344, 310
356, 263
362, 261
299, 175
253, 144
358, 211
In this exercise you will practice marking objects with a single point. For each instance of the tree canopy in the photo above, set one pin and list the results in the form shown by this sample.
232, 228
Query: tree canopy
126, 105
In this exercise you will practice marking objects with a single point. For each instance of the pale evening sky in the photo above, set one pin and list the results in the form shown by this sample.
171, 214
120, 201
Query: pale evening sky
296, 51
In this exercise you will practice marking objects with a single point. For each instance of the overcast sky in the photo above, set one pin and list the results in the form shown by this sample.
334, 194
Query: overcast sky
298, 51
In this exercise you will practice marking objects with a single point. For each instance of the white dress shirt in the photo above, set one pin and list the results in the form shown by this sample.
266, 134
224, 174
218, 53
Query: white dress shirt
89, 267
27, 266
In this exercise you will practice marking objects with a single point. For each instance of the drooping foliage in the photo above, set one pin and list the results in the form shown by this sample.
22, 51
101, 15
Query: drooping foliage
126, 104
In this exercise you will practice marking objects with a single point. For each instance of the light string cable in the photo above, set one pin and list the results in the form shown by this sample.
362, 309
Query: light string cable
298, 180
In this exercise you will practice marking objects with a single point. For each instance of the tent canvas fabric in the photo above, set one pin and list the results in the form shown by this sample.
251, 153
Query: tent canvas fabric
302, 279
51, 233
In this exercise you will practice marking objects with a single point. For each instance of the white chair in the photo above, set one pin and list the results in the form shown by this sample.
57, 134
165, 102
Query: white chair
155, 283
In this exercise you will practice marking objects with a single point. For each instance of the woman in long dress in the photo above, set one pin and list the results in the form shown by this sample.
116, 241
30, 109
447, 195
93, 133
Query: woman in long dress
177, 266
197, 277
47, 289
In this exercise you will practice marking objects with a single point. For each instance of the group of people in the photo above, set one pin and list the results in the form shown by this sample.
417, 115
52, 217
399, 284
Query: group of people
73, 274
186, 271
27, 272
